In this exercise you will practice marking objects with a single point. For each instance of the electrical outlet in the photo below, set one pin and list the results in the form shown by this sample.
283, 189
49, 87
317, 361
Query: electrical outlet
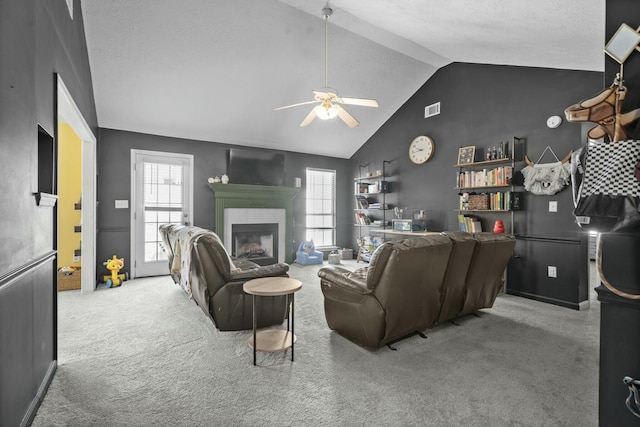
76, 259
553, 206
552, 271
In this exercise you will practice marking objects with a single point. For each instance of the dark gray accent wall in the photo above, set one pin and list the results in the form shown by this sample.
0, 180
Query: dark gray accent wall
114, 183
37, 40
482, 105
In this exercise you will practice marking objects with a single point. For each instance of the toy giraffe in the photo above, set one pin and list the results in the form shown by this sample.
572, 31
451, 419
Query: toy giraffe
114, 265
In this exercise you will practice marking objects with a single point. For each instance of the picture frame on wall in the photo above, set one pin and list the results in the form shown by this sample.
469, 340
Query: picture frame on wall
466, 155
623, 43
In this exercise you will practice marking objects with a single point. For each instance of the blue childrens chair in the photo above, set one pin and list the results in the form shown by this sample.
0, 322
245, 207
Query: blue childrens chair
307, 254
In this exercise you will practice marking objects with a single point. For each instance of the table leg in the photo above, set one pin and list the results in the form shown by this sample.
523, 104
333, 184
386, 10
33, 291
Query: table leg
292, 331
255, 324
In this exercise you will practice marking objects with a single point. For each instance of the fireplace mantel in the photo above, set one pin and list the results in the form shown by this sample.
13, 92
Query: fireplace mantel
259, 197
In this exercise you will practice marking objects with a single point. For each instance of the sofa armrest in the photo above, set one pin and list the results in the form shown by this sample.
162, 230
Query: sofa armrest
279, 269
353, 281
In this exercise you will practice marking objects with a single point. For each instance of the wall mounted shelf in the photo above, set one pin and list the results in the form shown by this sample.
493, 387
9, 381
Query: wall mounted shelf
500, 189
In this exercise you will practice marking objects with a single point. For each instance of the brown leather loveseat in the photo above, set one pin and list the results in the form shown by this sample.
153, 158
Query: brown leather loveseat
414, 284
200, 264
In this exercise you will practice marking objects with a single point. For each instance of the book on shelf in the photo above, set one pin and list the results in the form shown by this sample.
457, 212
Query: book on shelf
498, 201
469, 223
496, 177
361, 188
362, 219
362, 202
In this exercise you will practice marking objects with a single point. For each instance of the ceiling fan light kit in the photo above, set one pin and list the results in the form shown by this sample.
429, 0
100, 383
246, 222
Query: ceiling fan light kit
328, 97
326, 111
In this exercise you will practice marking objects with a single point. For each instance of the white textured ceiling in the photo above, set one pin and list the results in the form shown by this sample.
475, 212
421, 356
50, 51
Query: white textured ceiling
214, 70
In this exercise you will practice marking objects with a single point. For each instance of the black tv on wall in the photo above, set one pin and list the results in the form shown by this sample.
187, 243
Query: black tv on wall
255, 167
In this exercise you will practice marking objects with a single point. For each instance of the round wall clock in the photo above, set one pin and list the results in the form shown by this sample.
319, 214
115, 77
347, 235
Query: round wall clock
421, 149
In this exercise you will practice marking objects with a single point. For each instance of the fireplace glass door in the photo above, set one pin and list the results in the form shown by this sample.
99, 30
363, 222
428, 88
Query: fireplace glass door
256, 242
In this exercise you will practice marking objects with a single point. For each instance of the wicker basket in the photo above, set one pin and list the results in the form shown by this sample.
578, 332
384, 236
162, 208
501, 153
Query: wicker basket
346, 253
478, 202
69, 280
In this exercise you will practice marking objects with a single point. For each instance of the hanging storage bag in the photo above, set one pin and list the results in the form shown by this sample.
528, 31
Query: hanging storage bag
606, 186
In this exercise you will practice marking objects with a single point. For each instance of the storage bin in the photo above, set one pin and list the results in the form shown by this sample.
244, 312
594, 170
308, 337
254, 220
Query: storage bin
346, 253
334, 258
478, 201
69, 280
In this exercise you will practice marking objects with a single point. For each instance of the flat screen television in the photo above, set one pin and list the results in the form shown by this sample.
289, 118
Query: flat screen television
255, 167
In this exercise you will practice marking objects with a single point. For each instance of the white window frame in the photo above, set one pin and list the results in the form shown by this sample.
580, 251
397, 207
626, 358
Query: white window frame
310, 195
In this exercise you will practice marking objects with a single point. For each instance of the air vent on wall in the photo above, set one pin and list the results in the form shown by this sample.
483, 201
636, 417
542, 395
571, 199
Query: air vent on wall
432, 110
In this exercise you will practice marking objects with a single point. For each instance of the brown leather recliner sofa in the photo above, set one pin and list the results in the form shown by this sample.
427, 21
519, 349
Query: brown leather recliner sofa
200, 264
414, 284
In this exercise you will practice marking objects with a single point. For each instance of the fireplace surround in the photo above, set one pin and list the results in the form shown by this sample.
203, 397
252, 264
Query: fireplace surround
262, 200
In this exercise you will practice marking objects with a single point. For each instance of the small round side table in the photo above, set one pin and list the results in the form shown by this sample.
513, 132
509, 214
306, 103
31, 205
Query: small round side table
271, 340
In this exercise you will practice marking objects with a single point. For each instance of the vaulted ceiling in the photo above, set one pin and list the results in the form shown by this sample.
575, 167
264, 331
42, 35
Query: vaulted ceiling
214, 70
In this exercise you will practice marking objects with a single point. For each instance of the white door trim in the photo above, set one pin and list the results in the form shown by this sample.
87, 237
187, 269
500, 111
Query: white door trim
68, 112
133, 205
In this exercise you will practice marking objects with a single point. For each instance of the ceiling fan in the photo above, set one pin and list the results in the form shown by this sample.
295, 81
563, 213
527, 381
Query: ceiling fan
328, 97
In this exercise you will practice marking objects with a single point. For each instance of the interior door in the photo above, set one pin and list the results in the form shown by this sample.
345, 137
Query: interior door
162, 193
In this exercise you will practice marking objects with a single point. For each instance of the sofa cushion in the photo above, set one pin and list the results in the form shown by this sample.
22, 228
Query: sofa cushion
485, 277
350, 280
409, 286
454, 285
378, 263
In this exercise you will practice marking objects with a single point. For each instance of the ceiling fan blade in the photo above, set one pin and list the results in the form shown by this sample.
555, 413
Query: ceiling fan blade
347, 118
358, 101
296, 105
307, 120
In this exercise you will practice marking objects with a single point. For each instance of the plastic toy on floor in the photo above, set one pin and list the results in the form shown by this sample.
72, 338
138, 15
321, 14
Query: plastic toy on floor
307, 254
114, 265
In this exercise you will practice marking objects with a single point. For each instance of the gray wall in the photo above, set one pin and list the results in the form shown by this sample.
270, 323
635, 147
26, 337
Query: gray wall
482, 105
210, 160
37, 39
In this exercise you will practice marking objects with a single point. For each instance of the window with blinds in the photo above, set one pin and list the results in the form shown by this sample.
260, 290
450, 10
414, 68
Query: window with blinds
321, 207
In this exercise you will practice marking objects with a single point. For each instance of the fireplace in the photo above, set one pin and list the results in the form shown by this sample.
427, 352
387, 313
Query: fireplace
254, 225
255, 204
256, 242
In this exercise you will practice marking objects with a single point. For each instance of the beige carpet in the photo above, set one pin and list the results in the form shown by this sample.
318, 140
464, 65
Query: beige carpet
144, 354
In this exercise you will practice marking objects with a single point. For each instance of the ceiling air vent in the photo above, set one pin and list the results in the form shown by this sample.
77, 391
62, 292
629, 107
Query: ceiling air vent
432, 110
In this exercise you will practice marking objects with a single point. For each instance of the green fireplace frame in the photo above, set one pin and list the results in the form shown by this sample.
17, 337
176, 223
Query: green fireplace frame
258, 197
